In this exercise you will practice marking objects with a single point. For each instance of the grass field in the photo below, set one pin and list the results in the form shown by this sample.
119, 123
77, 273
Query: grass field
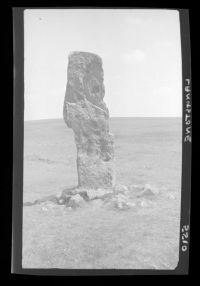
147, 151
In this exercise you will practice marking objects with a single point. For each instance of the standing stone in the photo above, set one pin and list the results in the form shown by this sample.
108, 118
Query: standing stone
86, 113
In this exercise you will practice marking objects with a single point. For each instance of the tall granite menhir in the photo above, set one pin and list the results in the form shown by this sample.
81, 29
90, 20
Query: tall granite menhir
86, 113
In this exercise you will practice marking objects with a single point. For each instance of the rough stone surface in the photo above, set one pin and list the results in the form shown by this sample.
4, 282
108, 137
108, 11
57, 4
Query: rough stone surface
86, 113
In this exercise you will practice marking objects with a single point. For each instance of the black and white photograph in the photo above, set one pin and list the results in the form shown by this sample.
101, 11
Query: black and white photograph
102, 147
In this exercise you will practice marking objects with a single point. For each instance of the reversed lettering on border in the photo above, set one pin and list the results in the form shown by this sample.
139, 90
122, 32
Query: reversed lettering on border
187, 109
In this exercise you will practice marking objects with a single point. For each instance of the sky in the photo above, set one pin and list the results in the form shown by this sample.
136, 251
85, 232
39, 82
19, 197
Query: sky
140, 50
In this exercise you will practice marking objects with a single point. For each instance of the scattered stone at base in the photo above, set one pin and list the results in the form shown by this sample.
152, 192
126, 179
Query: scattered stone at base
47, 206
120, 188
131, 204
58, 195
153, 189
145, 204
121, 196
61, 201
98, 193
75, 201
171, 196
44, 208
69, 192
149, 191
122, 202
76, 198
84, 194
136, 188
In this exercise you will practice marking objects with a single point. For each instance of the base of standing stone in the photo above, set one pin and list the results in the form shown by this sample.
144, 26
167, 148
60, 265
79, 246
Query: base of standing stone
95, 174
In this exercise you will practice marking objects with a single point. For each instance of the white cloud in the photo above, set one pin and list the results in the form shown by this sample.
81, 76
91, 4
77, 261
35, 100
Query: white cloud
134, 56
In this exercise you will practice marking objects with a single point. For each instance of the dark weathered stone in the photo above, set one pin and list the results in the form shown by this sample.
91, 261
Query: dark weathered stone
86, 113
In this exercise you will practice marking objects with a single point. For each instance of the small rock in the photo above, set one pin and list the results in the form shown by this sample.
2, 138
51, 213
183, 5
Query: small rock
120, 188
148, 191
145, 204
121, 198
69, 192
84, 195
136, 187
131, 204
98, 193
61, 201
77, 198
120, 205
121, 202
152, 189
171, 196
58, 195
75, 201
47, 206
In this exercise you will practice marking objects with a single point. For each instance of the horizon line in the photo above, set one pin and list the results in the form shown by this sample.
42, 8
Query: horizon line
59, 118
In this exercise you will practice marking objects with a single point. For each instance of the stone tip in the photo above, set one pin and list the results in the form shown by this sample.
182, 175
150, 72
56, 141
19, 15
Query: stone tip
85, 54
